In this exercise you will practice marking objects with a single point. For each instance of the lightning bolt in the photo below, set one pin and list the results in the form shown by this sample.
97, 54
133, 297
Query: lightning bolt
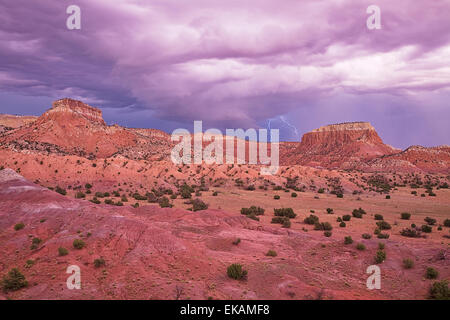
290, 126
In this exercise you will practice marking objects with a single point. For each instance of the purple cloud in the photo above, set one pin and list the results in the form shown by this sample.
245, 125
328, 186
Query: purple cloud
228, 63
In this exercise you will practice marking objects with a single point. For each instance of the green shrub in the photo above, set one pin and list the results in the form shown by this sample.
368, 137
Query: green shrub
447, 223
380, 256
88, 186
342, 224
411, 233
388, 197
378, 217
383, 236
360, 247
348, 240
339, 195
321, 190
278, 220
346, 217
62, 251
357, 214
235, 271
271, 253
430, 221
99, 262
29, 263
80, 195
439, 290
359, 210
35, 243
78, 244
405, 215
426, 228
408, 263
366, 236
13, 281
198, 205
19, 226
237, 241
383, 225
312, 219
323, 226
185, 191
330, 211
284, 212
381, 245
293, 195
257, 211
164, 202
95, 200
286, 223
431, 273
276, 197
327, 234
61, 190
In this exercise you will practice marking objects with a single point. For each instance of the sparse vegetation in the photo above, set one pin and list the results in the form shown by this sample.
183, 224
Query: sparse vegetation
61, 190
257, 211
284, 212
100, 262
235, 271
62, 251
360, 247
346, 217
19, 226
271, 253
431, 273
378, 217
405, 216
348, 240
430, 221
380, 256
78, 244
164, 202
312, 219
383, 225
198, 204
408, 263
439, 290
323, 226
13, 281
411, 233
366, 235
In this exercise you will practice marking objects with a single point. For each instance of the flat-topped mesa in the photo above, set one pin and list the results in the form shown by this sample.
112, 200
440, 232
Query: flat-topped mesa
345, 126
76, 107
342, 134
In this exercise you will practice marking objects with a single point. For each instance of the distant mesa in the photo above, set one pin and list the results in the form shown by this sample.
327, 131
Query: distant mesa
71, 127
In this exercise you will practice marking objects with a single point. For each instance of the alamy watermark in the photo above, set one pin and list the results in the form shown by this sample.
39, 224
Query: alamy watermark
235, 139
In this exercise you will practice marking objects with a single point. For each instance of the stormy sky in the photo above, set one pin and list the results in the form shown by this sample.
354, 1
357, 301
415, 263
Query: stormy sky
294, 65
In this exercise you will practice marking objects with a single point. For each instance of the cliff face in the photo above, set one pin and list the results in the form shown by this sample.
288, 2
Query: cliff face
70, 110
338, 146
327, 138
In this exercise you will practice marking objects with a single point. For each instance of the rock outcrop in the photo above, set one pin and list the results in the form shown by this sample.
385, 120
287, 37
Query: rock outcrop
338, 145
